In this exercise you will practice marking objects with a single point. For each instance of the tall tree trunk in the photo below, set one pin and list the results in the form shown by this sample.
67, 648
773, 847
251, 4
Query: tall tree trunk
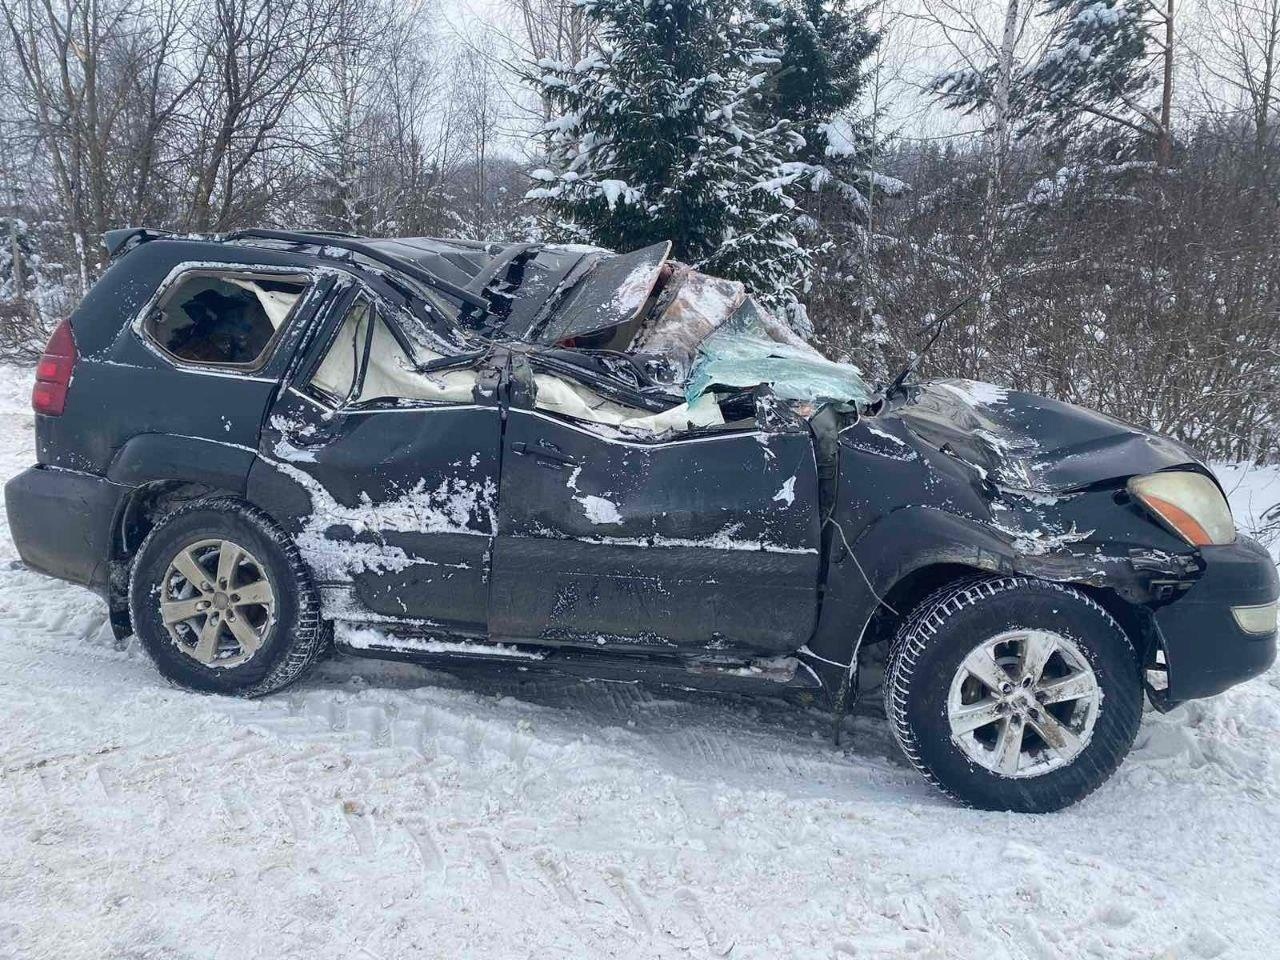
15, 252
1267, 87
993, 200
1164, 147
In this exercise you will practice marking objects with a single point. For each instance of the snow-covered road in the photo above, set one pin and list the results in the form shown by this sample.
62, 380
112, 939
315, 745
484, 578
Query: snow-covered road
382, 811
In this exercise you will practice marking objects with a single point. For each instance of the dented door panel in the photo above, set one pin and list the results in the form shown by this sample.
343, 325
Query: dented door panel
701, 543
400, 503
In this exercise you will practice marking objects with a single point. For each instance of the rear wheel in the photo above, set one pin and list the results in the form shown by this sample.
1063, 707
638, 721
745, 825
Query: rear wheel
222, 601
1013, 694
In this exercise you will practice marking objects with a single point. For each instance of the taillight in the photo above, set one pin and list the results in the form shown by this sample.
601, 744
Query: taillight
53, 372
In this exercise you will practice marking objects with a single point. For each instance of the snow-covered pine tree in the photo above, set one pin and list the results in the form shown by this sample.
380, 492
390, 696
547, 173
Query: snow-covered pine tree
823, 48
661, 135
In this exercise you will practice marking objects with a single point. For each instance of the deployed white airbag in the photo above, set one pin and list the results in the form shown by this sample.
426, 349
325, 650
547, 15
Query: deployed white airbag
569, 399
276, 304
391, 374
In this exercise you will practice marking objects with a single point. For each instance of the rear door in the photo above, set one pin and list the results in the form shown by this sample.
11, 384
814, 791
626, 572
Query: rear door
398, 468
704, 541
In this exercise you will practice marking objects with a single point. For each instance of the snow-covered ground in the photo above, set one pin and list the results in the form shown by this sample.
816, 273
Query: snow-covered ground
383, 811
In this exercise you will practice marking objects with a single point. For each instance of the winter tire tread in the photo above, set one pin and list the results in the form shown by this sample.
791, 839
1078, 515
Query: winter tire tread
922, 628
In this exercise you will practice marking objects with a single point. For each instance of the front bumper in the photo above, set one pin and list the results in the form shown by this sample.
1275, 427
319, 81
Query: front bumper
1205, 649
62, 522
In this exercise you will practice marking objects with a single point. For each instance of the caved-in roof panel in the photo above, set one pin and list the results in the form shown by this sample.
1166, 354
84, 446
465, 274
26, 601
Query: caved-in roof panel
613, 293
448, 261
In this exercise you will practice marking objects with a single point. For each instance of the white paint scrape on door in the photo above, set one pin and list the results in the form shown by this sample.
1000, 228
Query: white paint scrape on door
787, 494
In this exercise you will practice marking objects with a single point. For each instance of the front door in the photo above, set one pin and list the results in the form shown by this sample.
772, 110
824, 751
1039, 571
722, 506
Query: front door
399, 467
701, 542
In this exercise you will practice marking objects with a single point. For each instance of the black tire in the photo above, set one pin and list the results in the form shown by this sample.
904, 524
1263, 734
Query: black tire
942, 631
292, 641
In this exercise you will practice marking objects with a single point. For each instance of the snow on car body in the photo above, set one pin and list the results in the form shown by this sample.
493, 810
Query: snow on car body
616, 466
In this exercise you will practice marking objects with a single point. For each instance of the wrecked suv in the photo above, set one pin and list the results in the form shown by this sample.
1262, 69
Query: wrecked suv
611, 465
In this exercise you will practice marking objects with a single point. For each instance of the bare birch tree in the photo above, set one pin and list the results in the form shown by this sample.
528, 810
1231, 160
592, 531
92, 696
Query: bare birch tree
989, 43
253, 59
1241, 53
551, 30
81, 66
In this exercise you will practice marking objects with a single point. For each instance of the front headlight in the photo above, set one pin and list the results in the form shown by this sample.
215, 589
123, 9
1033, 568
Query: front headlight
1189, 504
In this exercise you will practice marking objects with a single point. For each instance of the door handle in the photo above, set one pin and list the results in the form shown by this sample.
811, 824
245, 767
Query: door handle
546, 453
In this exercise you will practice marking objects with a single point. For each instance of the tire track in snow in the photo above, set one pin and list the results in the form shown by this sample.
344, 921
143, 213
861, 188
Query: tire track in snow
434, 866
558, 878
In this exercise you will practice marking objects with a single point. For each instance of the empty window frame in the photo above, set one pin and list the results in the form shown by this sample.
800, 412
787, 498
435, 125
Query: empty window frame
223, 318
335, 378
366, 363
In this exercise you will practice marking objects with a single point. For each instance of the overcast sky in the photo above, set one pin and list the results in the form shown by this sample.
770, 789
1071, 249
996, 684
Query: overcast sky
915, 50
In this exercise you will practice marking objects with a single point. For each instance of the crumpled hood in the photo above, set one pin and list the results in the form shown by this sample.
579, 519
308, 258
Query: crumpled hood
1029, 442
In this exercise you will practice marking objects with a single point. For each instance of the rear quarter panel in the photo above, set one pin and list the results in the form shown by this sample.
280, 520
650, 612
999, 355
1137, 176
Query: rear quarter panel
122, 389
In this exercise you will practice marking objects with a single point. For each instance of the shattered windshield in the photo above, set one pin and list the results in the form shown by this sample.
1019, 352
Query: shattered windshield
744, 352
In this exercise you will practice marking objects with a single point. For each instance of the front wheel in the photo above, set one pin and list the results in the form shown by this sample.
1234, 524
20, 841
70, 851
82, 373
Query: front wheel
1013, 694
223, 602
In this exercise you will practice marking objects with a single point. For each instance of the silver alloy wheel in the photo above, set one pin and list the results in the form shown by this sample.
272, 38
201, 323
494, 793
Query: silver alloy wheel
217, 603
1023, 703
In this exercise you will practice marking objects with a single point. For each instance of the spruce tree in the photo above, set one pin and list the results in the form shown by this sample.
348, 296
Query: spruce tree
662, 135
1099, 68
823, 48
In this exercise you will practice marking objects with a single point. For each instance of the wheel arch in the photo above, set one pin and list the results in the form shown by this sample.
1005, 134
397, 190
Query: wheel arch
140, 511
164, 471
162, 457
889, 568
908, 591
902, 558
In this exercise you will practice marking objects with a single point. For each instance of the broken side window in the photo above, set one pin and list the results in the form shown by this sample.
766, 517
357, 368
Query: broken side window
367, 363
392, 374
336, 376
223, 318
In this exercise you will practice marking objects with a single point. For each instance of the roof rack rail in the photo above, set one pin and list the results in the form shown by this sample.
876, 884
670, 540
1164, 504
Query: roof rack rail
344, 242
